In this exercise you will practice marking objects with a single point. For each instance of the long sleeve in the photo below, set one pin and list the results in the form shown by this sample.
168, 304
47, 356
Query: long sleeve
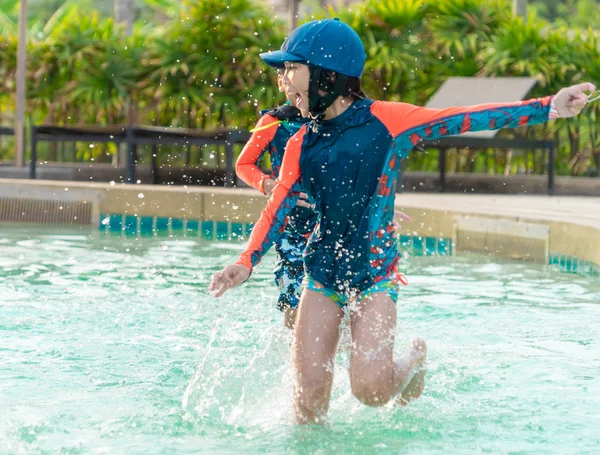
417, 123
273, 219
246, 166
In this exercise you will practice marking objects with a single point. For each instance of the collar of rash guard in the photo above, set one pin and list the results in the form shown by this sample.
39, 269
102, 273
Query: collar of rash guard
343, 117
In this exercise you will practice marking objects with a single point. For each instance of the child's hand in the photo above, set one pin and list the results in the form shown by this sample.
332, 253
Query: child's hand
399, 217
268, 186
570, 101
230, 277
303, 201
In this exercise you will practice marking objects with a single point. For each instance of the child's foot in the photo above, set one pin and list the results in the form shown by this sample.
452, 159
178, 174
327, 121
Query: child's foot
416, 384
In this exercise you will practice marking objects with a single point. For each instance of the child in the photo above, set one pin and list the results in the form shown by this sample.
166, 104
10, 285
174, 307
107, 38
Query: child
271, 134
346, 161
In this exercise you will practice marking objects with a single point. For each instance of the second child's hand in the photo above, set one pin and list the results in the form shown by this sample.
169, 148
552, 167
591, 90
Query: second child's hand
269, 186
399, 217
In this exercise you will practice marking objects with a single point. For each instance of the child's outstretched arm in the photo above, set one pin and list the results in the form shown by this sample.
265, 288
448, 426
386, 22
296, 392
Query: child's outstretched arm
418, 123
246, 166
272, 221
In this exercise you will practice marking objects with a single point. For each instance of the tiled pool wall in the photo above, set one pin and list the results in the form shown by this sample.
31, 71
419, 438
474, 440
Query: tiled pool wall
415, 245
213, 213
571, 264
146, 226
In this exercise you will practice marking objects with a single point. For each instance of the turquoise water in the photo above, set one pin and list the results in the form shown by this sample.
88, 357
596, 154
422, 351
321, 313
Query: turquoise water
111, 345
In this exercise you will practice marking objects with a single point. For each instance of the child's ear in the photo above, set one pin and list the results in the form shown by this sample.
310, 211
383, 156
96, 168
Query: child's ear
327, 80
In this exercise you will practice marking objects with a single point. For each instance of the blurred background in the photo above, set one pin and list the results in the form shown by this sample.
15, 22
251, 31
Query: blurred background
195, 64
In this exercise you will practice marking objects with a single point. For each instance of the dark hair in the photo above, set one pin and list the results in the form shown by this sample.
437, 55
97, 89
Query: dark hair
353, 89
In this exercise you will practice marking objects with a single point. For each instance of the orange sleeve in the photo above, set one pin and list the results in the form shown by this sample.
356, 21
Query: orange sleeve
273, 219
246, 166
425, 123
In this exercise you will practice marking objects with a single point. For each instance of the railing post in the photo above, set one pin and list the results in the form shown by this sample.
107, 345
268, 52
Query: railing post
33, 160
129, 140
551, 158
229, 159
442, 161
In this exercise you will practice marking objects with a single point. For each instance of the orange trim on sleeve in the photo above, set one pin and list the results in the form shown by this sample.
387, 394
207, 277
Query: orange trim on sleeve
246, 166
401, 117
273, 218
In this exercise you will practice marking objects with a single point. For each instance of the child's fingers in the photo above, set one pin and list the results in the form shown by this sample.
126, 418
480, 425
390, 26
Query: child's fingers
214, 282
222, 290
580, 88
398, 215
577, 104
587, 86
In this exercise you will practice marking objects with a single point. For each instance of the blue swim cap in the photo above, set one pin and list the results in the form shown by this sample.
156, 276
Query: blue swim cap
329, 44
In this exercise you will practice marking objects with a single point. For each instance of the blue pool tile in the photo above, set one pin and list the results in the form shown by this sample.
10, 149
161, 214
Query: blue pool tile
192, 226
162, 224
430, 246
208, 230
417, 246
104, 220
131, 225
222, 230
405, 240
176, 224
237, 231
443, 248
116, 223
146, 225
568, 264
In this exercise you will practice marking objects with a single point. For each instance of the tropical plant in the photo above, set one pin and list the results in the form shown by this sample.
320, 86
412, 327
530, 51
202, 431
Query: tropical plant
200, 69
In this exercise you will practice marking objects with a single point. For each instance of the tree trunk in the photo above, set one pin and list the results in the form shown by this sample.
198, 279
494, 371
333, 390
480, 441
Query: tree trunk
520, 8
124, 14
574, 141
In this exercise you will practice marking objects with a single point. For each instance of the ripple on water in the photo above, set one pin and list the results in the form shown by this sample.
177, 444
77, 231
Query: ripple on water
109, 344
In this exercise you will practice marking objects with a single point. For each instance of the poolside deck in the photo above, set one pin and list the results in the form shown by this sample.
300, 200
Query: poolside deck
577, 210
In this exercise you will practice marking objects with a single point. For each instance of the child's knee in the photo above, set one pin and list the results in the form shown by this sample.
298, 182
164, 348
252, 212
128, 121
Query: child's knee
372, 389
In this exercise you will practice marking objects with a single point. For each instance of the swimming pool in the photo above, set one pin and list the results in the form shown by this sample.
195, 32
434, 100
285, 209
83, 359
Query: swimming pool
112, 344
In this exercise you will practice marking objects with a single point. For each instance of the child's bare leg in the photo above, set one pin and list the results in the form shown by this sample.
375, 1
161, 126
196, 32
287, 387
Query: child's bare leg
316, 338
374, 375
289, 317
414, 372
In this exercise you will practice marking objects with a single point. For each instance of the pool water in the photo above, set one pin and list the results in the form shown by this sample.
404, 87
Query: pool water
114, 345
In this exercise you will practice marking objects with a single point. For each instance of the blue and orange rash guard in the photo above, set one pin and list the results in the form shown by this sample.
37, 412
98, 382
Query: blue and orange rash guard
271, 135
348, 168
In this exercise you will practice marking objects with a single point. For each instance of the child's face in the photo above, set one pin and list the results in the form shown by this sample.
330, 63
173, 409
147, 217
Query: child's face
295, 80
282, 88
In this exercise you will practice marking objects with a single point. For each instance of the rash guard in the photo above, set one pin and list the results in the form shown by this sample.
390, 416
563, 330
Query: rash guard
348, 167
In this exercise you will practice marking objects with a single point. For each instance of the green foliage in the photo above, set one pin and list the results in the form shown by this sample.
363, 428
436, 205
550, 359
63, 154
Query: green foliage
572, 13
201, 68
